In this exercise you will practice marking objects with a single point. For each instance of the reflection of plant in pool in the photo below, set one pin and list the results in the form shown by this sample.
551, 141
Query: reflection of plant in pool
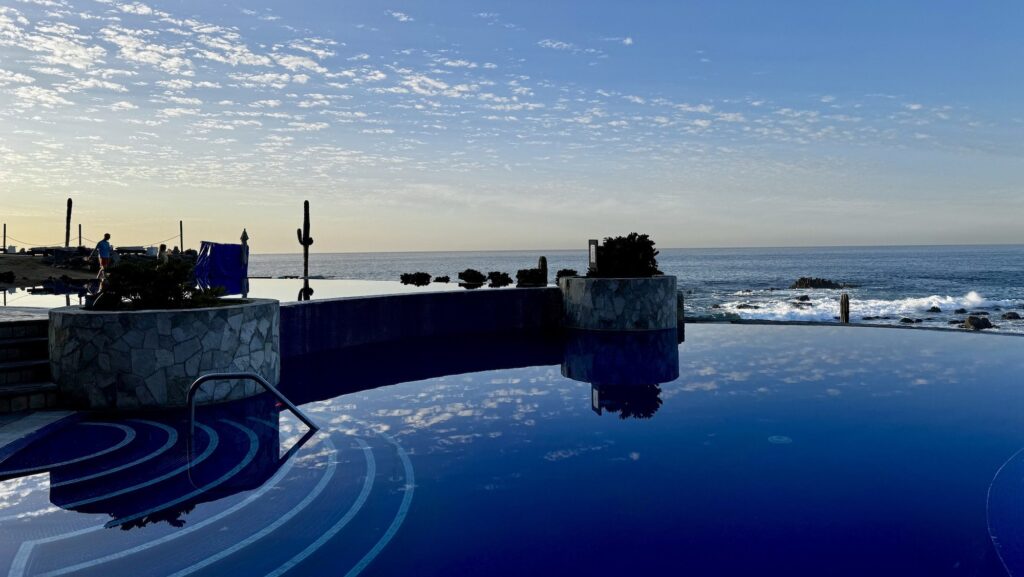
147, 284
416, 278
172, 517
630, 401
442, 278
630, 256
472, 278
566, 272
498, 279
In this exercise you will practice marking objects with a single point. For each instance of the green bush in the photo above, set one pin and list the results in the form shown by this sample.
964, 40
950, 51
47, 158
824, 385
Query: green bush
472, 276
531, 277
631, 256
498, 279
416, 278
146, 284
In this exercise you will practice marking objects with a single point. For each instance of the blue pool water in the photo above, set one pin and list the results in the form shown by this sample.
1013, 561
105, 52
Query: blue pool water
743, 450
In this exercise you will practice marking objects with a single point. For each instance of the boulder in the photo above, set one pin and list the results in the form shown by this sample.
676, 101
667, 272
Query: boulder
935, 310
979, 313
746, 306
907, 321
960, 312
809, 282
1011, 316
975, 323
803, 298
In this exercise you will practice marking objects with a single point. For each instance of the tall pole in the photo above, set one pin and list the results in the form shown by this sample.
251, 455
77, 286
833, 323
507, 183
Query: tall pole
5, 238
181, 235
67, 227
80, 234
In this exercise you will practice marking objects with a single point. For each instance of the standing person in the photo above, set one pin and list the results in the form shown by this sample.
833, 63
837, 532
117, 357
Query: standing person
104, 251
162, 257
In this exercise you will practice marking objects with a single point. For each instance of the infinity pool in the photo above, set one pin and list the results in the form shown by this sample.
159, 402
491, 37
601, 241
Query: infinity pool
771, 450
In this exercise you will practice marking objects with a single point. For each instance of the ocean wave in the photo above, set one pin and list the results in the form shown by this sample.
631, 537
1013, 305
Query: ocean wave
822, 307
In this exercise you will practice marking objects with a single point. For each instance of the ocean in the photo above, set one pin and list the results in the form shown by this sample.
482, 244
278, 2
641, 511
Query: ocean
892, 283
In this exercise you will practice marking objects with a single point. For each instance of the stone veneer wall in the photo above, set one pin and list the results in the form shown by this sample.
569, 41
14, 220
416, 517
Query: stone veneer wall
145, 359
619, 304
330, 324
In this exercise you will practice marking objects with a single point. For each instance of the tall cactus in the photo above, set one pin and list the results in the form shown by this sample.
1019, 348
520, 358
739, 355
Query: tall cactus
306, 241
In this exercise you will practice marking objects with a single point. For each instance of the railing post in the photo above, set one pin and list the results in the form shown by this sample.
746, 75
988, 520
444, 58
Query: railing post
844, 309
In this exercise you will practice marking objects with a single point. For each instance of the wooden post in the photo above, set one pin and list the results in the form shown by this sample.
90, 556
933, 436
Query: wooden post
4, 247
181, 235
542, 264
844, 309
67, 227
79, 235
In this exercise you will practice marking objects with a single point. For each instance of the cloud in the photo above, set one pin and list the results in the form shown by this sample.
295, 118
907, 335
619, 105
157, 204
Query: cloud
33, 96
400, 16
7, 77
556, 44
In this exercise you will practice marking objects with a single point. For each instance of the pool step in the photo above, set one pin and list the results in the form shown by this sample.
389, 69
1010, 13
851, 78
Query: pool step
28, 396
23, 349
24, 329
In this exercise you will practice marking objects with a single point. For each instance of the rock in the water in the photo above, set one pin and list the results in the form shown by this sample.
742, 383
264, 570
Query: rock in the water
955, 322
1011, 316
977, 323
809, 282
747, 306
979, 313
716, 306
907, 321
935, 310
960, 312
803, 298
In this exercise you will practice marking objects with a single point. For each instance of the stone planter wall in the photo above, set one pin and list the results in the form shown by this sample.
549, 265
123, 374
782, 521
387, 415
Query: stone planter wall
148, 359
619, 304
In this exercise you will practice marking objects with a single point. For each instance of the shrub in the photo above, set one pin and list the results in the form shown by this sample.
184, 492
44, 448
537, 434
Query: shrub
531, 277
631, 256
146, 284
442, 279
416, 278
498, 279
472, 276
566, 272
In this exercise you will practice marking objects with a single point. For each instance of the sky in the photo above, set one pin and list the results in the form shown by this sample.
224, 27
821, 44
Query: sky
483, 125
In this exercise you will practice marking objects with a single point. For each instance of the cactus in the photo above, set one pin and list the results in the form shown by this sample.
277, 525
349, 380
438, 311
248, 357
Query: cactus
304, 239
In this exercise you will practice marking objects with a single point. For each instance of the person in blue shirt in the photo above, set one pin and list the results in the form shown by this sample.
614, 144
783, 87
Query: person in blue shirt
105, 252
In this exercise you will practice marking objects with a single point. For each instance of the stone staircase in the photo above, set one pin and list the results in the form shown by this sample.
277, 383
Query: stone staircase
25, 367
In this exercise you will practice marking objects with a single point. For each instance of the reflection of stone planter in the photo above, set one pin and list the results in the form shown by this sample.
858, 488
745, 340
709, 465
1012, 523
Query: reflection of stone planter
619, 304
621, 358
145, 359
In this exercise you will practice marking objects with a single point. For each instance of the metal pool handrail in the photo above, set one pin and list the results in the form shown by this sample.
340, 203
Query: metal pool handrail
194, 388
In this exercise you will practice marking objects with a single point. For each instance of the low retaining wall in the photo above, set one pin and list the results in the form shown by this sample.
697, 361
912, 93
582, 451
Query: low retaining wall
143, 359
317, 326
620, 304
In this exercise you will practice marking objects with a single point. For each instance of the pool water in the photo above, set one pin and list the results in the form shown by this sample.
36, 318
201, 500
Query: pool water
743, 450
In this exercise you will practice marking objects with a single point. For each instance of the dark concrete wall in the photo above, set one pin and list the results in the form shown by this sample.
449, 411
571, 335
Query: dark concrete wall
317, 326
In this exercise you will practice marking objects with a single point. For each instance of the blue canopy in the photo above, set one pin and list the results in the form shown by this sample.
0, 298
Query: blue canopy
223, 265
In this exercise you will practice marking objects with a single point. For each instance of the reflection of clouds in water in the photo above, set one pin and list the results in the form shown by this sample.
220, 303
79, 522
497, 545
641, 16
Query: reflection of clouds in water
15, 492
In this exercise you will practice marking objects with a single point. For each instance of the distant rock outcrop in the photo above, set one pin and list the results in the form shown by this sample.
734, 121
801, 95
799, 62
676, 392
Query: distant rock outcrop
1011, 316
810, 282
935, 310
977, 323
